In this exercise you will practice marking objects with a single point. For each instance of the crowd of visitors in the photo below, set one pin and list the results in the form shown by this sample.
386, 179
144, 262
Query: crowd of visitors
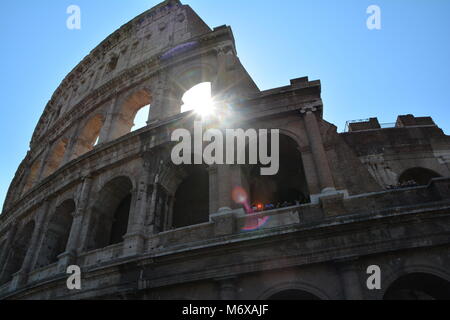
404, 184
270, 206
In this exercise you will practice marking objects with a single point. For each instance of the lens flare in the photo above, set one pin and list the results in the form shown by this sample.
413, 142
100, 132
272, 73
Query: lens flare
240, 196
254, 223
199, 99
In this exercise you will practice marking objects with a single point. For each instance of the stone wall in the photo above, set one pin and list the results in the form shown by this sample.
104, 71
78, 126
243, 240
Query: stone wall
62, 204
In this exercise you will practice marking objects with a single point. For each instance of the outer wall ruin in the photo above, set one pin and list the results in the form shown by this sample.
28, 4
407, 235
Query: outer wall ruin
92, 193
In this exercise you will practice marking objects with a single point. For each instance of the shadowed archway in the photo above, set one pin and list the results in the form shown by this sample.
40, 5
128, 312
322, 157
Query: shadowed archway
109, 216
418, 286
192, 197
17, 252
293, 294
57, 234
419, 176
288, 186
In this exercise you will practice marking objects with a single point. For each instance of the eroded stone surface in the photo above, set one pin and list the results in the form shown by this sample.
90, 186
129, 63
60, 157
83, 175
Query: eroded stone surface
74, 198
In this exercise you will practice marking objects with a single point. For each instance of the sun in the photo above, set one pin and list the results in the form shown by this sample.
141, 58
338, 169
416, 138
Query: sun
199, 99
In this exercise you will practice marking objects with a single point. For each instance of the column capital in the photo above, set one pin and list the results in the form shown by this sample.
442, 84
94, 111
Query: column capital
228, 290
77, 213
212, 168
346, 264
87, 178
308, 110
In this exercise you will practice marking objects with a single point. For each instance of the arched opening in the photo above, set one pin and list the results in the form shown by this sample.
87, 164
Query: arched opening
417, 176
418, 286
287, 188
293, 294
55, 159
88, 136
133, 114
109, 216
141, 118
191, 205
120, 220
33, 176
190, 88
57, 234
17, 252
198, 99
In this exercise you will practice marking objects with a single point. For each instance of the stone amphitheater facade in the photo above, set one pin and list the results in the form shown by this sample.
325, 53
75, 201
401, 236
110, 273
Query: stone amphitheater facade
141, 227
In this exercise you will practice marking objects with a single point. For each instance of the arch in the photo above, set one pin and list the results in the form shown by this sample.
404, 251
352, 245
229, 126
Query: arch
418, 176
186, 80
33, 176
293, 291
301, 143
125, 118
191, 204
88, 136
110, 213
57, 234
55, 159
141, 118
288, 187
293, 294
191, 76
17, 252
418, 286
198, 98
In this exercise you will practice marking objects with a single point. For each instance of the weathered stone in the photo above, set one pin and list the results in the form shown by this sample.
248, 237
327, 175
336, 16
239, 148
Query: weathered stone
142, 228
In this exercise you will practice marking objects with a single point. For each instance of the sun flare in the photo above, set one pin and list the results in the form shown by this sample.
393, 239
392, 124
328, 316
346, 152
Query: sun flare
199, 99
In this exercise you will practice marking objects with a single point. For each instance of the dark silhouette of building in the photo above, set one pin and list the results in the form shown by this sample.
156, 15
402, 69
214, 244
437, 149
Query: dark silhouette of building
91, 192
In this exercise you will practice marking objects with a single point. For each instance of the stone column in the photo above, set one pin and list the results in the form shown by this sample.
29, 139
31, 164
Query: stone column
228, 78
227, 288
7, 248
213, 189
169, 212
43, 164
224, 188
309, 167
157, 109
135, 237
320, 157
152, 208
105, 133
71, 145
69, 150
21, 277
351, 282
70, 255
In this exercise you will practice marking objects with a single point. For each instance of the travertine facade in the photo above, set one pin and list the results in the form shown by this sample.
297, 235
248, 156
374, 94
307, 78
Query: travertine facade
94, 194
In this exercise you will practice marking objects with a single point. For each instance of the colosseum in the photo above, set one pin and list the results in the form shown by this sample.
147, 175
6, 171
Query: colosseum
96, 192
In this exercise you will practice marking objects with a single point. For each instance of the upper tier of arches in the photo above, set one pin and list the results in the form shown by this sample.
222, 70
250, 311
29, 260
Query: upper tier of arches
158, 97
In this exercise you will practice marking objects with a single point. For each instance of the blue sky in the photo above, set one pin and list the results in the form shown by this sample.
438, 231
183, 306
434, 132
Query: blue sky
402, 68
